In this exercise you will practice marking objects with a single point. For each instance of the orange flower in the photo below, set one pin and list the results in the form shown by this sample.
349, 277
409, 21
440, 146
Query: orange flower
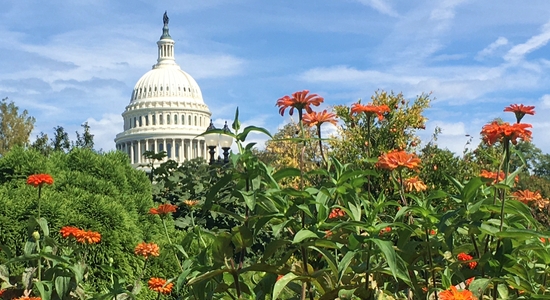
2, 292
520, 110
336, 213
527, 196
88, 237
316, 119
414, 184
398, 159
69, 231
493, 176
37, 180
300, 101
465, 257
469, 280
163, 209
279, 277
159, 285
147, 249
328, 233
81, 236
384, 230
433, 232
544, 239
454, 294
496, 132
191, 202
370, 109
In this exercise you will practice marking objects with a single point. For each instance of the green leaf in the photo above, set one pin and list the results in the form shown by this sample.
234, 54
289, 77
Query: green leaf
242, 136
43, 225
303, 234
242, 237
62, 286
344, 264
211, 196
470, 190
207, 276
281, 283
45, 289
478, 286
396, 267
286, 172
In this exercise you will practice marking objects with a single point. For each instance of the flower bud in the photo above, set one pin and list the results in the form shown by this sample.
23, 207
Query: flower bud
36, 235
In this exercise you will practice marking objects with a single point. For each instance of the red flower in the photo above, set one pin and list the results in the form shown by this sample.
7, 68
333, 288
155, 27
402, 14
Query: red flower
520, 110
433, 232
496, 132
159, 285
454, 294
465, 257
316, 119
163, 209
370, 109
336, 213
469, 280
279, 277
37, 180
300, 101
147, 249
398, 159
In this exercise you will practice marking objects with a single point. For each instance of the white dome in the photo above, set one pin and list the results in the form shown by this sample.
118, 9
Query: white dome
166, 111
167, 81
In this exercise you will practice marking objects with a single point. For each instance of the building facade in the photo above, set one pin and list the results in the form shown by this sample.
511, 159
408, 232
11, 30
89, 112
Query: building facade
166, 111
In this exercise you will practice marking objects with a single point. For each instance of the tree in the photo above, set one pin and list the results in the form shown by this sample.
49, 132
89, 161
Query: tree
86, 140
60, 141
15, 128
42, 144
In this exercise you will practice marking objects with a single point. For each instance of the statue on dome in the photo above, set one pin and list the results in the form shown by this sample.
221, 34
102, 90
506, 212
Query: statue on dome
165, 19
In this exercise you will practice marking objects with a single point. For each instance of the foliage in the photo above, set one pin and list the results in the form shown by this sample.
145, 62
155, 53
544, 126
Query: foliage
60, 140
86, 139
101, 192
15, 127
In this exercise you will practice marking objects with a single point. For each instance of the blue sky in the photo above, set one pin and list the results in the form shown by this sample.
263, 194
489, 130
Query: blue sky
68, 62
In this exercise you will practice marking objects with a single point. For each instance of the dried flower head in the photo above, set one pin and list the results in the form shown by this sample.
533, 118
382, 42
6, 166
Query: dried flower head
414, 184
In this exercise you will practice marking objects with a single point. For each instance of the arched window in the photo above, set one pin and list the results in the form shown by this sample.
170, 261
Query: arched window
182, 119
161, 121
135, 122
195, 120
168, 119
175, 119
169, 150
146, 120
154, 119
140, 121
189, 120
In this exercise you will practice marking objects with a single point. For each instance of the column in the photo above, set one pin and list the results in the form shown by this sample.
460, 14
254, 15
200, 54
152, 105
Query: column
131, 152
181, 158
139, 152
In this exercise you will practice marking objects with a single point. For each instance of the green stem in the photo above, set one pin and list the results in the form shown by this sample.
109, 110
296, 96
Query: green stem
39, 194
430, 259
503, 198
367, 273
321, 144
170, 242
198, 229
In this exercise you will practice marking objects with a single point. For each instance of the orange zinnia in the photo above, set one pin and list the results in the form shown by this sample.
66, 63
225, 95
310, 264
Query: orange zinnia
398, 159
336, 213
147, 249
69, 231
316, 119
163, 209
384, 230
414, 184
300, 101
493, 176
88, 237
370, 109
454, 294
159, 285
37, 180
465, 257
496, 132
527, 196
520, 110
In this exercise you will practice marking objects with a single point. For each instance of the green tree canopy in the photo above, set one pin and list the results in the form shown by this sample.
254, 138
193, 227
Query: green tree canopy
15, 127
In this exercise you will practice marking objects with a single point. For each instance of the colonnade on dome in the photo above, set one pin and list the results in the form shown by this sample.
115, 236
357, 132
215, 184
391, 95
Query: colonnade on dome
177, 149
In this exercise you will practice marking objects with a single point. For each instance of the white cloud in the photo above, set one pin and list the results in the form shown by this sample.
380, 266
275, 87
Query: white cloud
545, 101
501, 41
535, 42
105, 130
381, 6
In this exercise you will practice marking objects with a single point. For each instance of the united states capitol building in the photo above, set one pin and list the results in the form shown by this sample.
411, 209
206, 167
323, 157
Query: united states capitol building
166, 111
